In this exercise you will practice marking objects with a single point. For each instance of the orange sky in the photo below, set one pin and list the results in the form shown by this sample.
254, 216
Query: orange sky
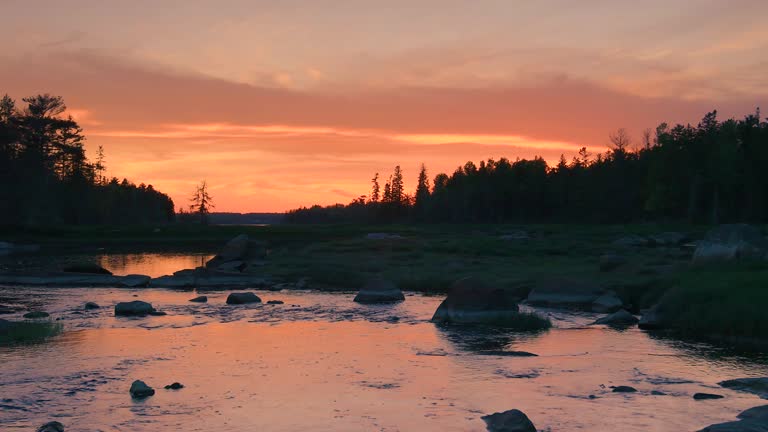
281, 105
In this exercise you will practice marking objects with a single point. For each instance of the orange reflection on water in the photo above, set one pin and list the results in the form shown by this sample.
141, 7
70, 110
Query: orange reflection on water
152, 264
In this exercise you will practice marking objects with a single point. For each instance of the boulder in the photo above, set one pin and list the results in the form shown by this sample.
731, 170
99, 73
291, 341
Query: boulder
759, 412
140, 390
88, 268
231, 266
731, 243
758, 386
379, 291
620, 318
565, 294
91, 305
134, 281
610, 262
509, 421
36, 315
607, 303
275, 302
240, 248
243, 298
707, 396
174, 386
631, 240
199, 299
651, 319
470, 300
53, 426
133, 308
175, 281
752, 420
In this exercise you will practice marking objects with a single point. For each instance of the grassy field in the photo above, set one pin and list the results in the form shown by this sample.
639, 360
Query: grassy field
725, 300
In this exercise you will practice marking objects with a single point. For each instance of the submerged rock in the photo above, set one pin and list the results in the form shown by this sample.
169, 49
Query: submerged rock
174, 386
509, 421
379, 291
243, 298
470, 300
133, 308
139, 389
707, 396
36, 315
199, 299
275, 302
758, 386
619, 318
158, 313
88, 268
731, 243
53, 426
752, 420
624, 389
91, 305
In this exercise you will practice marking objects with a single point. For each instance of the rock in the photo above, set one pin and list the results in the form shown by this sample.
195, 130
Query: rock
651, 320
669, 238
158, 313
509, 421
758, 386
507, 353
240, 248
565, 294
186, 280
706, 396
7, 248
53, 426
607, 303
36, 315
631, 240
658, 393
200, 299
91, 305
174, 386
470, 300
738, 426
731, 243
135, 281
88, 268
624, 389
610, 262
619, 318
759, 412
141, 390
231, 266
383, 236
243, 298
133, 308
275, 302
379, 291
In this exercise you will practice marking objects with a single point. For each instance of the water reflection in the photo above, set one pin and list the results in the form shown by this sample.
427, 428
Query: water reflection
479, 339
152, 264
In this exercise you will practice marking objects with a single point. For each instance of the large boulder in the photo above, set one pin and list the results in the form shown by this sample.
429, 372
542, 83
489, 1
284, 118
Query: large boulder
651, 319
133, 308
565, 294
752, 420
470, 300
731, 243
758, 386
88, 268
620, 318
669, 239
379, 291
236, 253
243, 298
509, 421
607, 303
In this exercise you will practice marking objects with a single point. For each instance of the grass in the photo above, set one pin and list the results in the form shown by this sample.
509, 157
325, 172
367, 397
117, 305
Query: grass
725, 301
26, 332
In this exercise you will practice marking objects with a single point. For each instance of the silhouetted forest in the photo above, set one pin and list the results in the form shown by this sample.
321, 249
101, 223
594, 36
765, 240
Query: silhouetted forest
46, 178
714, 172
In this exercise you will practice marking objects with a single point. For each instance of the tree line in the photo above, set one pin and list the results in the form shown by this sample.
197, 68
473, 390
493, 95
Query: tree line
46, 178
714, 172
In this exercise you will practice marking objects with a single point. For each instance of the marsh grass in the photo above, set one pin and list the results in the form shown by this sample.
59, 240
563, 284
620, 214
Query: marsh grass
26, 332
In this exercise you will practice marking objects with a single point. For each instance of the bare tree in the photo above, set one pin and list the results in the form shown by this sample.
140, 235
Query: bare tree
620, 140
202, 202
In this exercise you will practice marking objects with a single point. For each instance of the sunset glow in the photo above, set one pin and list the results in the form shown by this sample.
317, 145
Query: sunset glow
279, 105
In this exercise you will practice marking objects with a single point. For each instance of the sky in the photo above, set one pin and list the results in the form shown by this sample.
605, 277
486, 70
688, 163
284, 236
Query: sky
282, 104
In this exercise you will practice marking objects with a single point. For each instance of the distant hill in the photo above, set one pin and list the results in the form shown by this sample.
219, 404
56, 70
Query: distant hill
245, 218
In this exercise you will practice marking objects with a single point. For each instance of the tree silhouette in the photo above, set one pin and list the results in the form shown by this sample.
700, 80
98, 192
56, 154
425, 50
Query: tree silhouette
202, 203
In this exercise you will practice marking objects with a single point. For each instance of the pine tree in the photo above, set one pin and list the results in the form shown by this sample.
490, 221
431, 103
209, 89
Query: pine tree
202, 203
375, 189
